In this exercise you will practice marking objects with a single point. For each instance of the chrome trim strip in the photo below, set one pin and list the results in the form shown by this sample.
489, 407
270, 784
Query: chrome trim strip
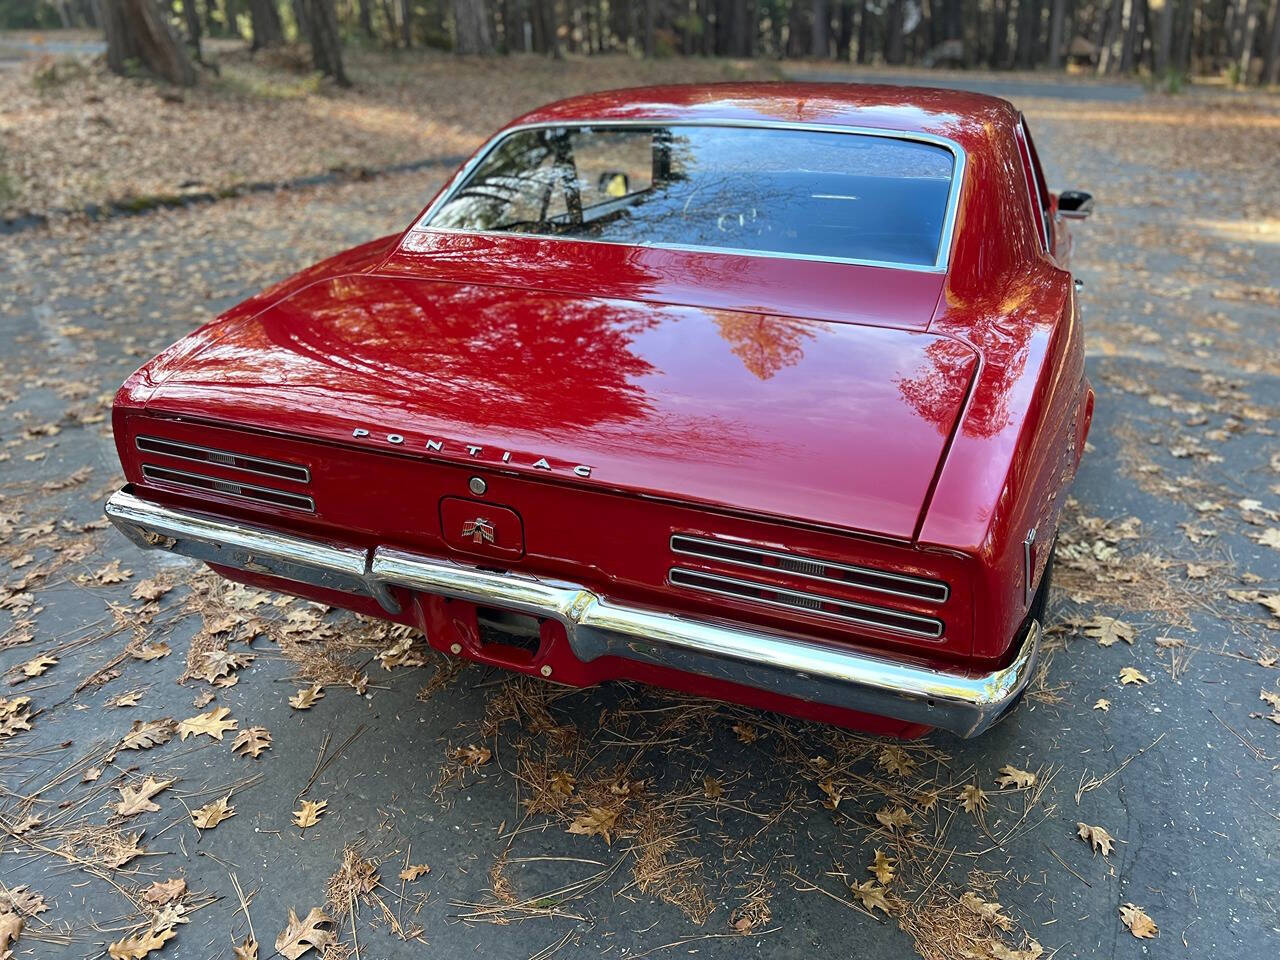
305, 478
684, 538
149, 471
935, 626
792, 666
941, 260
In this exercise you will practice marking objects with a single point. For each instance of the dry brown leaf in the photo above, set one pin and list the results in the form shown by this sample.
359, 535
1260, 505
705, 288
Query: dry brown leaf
247, 950
871, 894
141, 946
1269, 537
112, 573
563, 783
15, 715
21, 901
152, 589
834, 793
129, 699
1102, 704
251, 741
1096, 837
1109, 630
597, 821
746, 732
303, 935
36, 666
1139, 924
882, 867
896, 760
212, 724
212, 814
137, 799
1001, 951
414, 871
895, 817
310, 813
145, 734
1133, 675
91, 775
974, 798
10, 930
306, 699
150, 651
472, 756
1013, 777
165, 891
712, 789
988, 910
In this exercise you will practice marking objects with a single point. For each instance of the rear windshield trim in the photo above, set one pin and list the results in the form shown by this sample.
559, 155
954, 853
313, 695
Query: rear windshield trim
944, 243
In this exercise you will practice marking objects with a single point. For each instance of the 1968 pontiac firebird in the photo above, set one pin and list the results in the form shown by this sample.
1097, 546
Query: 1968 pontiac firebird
768, 393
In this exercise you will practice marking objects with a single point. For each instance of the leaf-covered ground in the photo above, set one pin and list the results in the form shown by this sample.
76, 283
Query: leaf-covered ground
188, 768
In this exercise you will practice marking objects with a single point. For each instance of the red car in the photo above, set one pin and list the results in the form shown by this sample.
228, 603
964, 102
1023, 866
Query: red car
769, 393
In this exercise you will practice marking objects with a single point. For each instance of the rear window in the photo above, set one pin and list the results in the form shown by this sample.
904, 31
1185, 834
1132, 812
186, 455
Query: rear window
800, 193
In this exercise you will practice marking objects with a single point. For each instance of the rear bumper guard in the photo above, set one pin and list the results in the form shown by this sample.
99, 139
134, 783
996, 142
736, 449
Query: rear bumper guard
808, 669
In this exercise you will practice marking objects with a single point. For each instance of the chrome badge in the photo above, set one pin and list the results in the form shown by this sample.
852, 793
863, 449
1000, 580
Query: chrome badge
480, 530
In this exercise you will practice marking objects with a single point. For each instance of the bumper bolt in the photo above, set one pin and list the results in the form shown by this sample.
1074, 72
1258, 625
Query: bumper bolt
455, 648
546, 670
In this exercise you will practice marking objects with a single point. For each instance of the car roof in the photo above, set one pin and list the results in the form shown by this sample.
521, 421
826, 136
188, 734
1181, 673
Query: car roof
956, 114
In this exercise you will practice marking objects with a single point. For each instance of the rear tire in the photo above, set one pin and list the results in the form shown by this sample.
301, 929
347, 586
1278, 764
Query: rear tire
1040, 602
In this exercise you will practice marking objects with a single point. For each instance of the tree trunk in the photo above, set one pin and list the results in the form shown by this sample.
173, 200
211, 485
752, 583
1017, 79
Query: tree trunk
136, 30
326, 44
470, 27
191, 16
650, 27
820, 40
406, 24
366, 18
1271, 72
864, 32
268, 31
1247, 40
844, 38
1055, 33
302, 17
1000, 36
895, 47
1162, 43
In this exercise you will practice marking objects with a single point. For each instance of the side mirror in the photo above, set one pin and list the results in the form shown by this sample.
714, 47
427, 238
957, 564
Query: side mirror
1074, 204
613, 183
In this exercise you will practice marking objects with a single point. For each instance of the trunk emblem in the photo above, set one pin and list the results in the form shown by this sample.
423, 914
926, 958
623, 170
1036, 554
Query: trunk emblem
480, 530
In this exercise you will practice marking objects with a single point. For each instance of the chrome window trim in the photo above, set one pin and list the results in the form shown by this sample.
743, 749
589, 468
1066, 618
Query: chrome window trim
310, 508
779, 555
1033, 184
941, 261
934, 633
306, 473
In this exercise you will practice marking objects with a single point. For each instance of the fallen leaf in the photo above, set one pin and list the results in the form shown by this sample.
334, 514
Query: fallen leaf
91, 775
895, 817
472, 756
974, 798
1102, 704
15, 715
746, 732
1000, 951
1269, 537
38, 665
112, 573
988, 910
303, 935
10, 930
306, 699
834, 793
597, 821
1013, 777
1139, 924
1109, 630
896, 760
247, 950
150, 651
165, 891
871, 894
310, 813
882, 867
137, 799
1096, 837
212, 724
212, 814
152, 589
22, 826
712, 789
563, 783
1133, 675
251, 741
145, 734
414, 871
21, 901
141, 946
129, 699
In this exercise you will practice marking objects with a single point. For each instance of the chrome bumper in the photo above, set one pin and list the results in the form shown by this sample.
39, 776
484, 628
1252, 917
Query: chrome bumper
804, 668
